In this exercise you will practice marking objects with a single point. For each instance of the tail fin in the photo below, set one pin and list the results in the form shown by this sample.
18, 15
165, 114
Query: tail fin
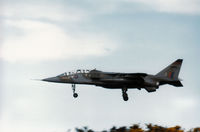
171, 71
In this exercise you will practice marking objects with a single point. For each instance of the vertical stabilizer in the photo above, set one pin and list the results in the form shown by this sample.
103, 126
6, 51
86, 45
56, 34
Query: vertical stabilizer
171, 71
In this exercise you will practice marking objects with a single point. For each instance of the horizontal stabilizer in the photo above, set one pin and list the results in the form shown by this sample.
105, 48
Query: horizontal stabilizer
176, 83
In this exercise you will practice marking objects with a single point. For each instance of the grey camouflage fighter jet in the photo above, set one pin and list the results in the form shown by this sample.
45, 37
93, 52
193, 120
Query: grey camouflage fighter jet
124, 81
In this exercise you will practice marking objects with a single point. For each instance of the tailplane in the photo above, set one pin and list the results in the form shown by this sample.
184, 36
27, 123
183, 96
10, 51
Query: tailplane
171, 71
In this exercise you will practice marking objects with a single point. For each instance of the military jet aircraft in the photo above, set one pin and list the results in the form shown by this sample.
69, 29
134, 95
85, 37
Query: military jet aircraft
123, 81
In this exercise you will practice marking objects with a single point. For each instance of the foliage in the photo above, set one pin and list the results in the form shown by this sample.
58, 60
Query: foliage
137, 128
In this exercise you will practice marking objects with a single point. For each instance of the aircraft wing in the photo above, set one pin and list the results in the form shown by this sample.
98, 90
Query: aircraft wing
123, 77
135, 75
112, 80
128, 75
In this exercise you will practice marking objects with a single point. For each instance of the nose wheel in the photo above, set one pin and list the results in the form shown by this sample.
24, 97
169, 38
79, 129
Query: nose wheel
75, 95
124, 94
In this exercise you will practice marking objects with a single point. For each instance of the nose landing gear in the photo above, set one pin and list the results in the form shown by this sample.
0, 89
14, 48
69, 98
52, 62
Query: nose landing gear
124, 94
75, 95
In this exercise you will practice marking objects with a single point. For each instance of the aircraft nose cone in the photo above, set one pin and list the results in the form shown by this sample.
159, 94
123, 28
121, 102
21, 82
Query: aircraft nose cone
51, 79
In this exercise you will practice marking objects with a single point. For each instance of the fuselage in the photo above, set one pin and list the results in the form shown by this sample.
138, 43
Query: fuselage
104, 79
124, 81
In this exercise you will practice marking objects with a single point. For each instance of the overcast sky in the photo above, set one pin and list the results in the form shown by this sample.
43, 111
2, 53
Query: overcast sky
44, 38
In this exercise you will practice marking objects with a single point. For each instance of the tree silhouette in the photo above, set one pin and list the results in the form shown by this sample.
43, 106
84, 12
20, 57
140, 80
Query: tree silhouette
137, 128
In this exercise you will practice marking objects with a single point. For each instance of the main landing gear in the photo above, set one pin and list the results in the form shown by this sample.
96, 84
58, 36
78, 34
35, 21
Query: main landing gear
75, 95
124, 94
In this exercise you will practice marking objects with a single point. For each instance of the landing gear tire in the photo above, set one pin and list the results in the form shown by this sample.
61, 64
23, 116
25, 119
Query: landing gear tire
124, 94
125, 97
75, 95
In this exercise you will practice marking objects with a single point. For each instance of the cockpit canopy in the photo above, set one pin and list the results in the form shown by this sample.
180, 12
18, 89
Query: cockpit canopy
72, 72
82, 71
63, 74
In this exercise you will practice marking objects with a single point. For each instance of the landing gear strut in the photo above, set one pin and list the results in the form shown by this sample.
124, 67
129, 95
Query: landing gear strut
75, 95
124, 94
